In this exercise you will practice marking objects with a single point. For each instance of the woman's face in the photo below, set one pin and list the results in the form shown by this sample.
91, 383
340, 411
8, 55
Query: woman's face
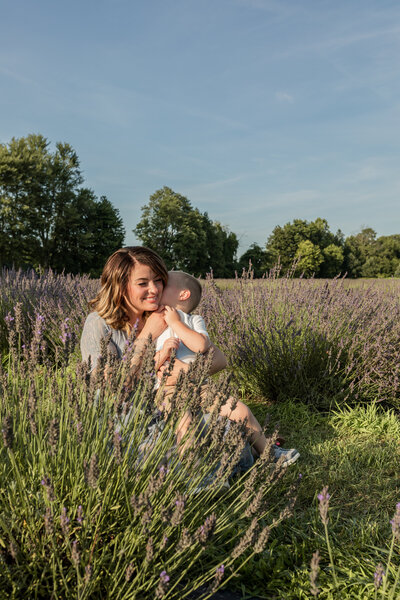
144, 289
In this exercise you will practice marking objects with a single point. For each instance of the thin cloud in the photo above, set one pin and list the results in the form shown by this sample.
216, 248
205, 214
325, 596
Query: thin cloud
16, 76
336, 42
278, 9
219, 183
284, 97
221, 119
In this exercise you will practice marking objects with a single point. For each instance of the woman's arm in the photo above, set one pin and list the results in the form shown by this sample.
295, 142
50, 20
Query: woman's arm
218, 362
154, 326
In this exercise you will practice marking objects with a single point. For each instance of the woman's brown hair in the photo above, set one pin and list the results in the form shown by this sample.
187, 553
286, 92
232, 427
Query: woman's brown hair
110, 302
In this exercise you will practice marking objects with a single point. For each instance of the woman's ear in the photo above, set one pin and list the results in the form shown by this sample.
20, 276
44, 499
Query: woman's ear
184, 295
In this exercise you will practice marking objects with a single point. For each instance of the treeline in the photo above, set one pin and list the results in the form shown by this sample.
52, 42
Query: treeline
188, 240
314, 250
49, 219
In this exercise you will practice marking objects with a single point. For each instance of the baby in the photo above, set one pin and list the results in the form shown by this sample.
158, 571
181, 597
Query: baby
187, 334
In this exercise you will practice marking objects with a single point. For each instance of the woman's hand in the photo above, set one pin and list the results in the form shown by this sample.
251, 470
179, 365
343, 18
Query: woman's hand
154, 325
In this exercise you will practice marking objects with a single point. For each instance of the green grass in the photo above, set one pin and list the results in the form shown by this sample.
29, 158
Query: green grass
356, 452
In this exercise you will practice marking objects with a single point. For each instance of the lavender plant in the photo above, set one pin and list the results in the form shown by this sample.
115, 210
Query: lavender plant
61, 300
318, 341
96, 500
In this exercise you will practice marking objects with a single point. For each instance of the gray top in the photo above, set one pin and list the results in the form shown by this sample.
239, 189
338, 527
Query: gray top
94, 330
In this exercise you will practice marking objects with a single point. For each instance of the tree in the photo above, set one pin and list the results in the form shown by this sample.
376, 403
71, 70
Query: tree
222, 246
333, 257
356, 251
382, 257
309, 257
257, 257
184, 237
284, 244
90, 231
46, 217
170, 226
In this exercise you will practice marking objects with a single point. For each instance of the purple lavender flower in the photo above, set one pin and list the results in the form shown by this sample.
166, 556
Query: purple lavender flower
130, 570
324, 498
218, 577
164, 577
48, 522
46, 483
205, 531
177, 515
162, 585
88, 574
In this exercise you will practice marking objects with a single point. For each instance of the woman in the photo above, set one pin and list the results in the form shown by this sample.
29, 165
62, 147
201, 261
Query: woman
132, 283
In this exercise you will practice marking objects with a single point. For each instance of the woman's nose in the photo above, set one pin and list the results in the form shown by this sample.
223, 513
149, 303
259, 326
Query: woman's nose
152, 287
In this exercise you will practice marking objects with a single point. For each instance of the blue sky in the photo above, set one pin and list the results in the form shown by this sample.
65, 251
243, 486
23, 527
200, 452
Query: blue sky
259, 111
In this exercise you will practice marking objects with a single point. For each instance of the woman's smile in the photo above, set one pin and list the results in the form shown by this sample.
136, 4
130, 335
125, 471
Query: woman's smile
144, 289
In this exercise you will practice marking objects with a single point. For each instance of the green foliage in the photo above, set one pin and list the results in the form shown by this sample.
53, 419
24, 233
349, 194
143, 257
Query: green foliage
186, 239
368, 256
255, 259
309, 248
46, 218
287, 243
356, 251
308, 258
383, 257
333, 257
353, 450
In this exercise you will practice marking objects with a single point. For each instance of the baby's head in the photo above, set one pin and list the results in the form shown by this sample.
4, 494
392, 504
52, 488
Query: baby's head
182, 291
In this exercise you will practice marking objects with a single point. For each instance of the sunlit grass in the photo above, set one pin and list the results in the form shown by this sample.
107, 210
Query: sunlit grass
356, 452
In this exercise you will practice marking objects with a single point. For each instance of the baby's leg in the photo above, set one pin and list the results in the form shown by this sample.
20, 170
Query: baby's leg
182, 432
182, 429
241, 413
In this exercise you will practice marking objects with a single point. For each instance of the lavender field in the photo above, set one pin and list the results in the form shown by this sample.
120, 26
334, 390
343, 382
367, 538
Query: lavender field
82, 517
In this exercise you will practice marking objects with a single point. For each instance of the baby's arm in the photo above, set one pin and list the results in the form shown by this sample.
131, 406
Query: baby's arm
165, 353
195, 341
